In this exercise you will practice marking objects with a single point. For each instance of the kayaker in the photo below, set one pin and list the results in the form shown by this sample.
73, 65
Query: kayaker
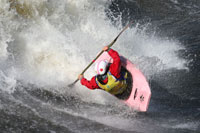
109, 76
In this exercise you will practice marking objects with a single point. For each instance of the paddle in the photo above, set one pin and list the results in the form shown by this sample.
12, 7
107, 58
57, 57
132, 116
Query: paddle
72, 84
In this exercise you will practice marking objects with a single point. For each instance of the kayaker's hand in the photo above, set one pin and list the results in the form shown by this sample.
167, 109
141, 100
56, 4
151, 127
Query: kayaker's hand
105, 48
80, 76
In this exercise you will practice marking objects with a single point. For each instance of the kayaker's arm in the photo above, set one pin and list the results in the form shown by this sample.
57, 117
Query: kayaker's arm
115, 67
91, 84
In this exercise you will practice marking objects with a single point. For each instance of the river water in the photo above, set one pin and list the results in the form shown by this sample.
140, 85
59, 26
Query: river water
45, 44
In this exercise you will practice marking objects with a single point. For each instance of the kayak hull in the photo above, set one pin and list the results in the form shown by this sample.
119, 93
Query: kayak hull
140, 92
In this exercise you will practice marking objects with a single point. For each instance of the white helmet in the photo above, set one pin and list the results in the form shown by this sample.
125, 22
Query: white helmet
101, 67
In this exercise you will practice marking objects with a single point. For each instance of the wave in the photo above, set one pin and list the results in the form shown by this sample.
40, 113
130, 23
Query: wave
44, 45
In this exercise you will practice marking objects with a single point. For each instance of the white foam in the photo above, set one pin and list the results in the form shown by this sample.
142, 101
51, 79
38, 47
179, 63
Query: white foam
54, 46
46, 60
51, 48
7, 82
150, 51
189, 125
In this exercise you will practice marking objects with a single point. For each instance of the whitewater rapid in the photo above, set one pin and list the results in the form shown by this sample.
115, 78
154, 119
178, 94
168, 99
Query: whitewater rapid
46, 44
60, 40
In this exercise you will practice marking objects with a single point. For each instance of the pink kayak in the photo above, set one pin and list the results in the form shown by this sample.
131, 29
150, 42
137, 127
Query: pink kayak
139, 91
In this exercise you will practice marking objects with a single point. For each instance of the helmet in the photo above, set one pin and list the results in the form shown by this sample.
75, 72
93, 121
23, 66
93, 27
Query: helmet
101, 67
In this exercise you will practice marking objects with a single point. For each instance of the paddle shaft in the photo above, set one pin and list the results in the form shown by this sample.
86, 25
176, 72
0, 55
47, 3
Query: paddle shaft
101, 53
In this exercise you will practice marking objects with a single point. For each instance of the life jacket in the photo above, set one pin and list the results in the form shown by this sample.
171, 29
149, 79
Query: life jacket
114, 86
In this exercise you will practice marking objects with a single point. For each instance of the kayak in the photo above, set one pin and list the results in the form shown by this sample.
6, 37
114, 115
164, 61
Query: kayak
138, 92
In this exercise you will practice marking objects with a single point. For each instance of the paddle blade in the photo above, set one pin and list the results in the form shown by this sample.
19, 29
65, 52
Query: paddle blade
72, 84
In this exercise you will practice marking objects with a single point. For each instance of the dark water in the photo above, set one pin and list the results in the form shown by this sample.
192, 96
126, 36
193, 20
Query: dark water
175, 92
175, 101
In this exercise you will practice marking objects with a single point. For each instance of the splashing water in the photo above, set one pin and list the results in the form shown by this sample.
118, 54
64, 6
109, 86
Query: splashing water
55, 42
48, 43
